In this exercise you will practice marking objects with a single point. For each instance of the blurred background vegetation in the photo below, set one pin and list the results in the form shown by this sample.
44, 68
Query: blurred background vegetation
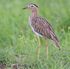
17, 41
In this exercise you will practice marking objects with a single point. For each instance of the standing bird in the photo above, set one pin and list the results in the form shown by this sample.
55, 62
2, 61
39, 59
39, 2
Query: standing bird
41, 27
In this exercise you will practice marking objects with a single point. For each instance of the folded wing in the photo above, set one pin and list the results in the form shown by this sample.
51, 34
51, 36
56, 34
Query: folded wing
42, 27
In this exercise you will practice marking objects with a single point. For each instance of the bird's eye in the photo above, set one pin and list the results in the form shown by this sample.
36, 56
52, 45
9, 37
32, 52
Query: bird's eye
32, 6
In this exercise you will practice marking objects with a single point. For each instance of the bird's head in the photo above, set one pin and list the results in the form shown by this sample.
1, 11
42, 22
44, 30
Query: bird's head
31, 7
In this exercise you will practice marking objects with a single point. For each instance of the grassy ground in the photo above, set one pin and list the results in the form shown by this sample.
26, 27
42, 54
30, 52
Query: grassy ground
18, 43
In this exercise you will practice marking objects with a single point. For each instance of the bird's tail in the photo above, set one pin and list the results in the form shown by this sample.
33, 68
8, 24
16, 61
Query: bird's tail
56, 41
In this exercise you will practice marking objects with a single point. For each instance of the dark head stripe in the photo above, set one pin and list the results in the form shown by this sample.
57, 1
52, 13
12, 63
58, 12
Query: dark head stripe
35, 5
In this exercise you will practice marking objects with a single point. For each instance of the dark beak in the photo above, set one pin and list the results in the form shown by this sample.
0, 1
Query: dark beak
25, 8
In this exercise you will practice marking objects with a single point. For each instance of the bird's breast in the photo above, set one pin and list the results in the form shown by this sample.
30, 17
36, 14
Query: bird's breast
30, 23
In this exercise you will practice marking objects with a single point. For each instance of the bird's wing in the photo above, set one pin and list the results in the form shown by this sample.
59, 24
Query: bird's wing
42, 27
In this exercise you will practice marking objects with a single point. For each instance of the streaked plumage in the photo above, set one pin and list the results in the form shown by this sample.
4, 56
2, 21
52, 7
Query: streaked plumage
42, 28
40, 25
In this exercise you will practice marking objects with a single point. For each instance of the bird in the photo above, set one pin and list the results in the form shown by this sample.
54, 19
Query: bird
41, 27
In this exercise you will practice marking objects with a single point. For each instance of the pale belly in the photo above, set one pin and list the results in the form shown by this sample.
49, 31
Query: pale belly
33, 28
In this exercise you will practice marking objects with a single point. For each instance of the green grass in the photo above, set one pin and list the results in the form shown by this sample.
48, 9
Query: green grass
18, 43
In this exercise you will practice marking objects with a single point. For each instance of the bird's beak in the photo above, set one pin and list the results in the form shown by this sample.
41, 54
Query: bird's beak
25, 7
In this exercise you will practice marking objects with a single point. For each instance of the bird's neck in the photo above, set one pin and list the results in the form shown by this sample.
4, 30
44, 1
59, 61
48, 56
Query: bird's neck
34, 13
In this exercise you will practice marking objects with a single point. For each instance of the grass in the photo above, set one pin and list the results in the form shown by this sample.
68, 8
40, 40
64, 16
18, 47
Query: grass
18, 43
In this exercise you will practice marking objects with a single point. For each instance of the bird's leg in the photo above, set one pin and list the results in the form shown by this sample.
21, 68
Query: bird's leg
47, 50
39, 45
38, 49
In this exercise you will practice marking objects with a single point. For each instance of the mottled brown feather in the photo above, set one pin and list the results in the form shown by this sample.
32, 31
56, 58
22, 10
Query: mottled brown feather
42, 27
